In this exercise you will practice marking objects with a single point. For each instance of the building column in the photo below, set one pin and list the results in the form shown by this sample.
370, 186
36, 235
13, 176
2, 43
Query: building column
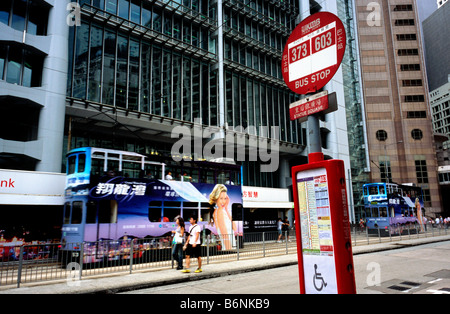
54, 84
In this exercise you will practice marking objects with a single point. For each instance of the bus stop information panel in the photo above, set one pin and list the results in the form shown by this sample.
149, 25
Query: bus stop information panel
323, 227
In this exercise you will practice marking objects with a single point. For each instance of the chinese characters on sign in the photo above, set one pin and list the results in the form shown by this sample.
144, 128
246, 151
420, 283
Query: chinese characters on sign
309, 106
313, 53
120, 189
250, 194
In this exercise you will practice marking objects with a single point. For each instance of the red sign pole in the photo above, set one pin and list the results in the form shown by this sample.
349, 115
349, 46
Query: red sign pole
312, 56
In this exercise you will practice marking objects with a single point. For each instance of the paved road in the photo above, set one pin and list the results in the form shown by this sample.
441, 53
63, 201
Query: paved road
422, 269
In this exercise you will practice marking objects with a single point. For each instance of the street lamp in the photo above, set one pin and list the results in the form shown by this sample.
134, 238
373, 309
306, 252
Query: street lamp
385, 159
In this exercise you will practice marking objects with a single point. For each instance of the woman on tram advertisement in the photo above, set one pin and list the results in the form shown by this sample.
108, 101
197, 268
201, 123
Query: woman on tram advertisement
222, 217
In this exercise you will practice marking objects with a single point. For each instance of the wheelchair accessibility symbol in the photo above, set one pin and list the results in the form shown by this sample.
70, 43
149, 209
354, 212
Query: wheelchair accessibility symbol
318, 281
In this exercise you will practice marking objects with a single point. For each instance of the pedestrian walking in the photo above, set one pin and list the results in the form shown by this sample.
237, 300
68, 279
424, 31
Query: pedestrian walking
280, 229
193, 246
178, 242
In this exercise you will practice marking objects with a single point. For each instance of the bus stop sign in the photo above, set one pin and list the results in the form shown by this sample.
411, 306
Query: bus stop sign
313, 53
323, 228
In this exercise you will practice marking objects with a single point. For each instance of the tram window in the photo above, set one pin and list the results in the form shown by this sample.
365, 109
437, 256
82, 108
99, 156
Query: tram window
186, 176
366, 191
154, 211
222, 177
152, 172
390, 189
205, 212
382, 191
72, 164
373, 190
107, 212
131, 169
195, 176
97, 166
91, 212
81, 162
190, 209
383, 212
113, 165
210, 177
236, 212
374, 212
392, 212
67, 209
234, 178
368, 212
77, 212
98, 155
170, 212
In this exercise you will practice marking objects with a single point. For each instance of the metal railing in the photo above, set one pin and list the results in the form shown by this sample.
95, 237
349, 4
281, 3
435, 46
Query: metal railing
399, 232
47, 262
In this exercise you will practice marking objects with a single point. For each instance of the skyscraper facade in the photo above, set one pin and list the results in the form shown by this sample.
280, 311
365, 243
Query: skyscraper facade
437, 45
140, 68
400, 135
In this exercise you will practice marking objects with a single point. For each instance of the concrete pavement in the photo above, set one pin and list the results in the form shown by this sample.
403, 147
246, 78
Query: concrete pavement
114, 283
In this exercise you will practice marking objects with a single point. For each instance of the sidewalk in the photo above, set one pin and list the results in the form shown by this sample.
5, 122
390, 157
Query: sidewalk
146, 279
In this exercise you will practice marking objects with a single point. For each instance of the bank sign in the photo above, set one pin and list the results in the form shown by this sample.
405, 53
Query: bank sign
313, 53
31, 188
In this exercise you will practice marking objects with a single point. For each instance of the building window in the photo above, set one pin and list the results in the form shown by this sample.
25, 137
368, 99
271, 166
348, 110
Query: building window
410, 67
20, 66
14, 124
25, 15
421, 171
403, 7
416, 115
406, 37
427, 197
408, 83
417, 134
385, 169
405, 22
408, 52
414, 98
382, 135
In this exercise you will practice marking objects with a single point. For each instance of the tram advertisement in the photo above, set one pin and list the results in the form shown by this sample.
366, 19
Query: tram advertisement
147, 207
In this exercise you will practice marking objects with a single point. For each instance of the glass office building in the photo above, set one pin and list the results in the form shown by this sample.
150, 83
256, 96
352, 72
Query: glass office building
143, 67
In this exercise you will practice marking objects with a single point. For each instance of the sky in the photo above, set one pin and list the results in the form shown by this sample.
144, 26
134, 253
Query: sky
426, 8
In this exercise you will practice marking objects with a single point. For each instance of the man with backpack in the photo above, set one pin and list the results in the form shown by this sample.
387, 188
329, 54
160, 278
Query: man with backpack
193, 246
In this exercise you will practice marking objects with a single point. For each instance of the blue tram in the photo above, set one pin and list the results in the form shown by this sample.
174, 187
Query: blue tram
391, 208
113, 196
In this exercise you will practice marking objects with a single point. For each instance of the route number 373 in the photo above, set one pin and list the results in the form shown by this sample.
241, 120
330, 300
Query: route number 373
319, 43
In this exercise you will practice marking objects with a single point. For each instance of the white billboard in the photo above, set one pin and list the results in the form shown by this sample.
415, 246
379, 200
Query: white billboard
31, 188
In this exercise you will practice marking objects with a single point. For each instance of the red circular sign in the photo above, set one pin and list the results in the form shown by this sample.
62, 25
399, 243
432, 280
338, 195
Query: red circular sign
313, 53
